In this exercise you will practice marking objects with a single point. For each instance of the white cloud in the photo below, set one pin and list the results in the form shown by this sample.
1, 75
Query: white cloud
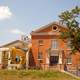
5, 12
17, 31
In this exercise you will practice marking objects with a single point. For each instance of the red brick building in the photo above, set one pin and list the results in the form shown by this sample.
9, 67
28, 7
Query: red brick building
49, 51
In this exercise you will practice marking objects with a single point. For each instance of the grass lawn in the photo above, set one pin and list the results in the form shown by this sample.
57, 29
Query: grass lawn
34, 75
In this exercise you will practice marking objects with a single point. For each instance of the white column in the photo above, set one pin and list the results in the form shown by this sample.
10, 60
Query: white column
0, 57
60, 57
27, 59
9, 59
47, 60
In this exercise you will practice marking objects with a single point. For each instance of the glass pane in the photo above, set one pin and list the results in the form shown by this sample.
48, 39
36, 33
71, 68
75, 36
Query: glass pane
40, 42
39, 55
55, 44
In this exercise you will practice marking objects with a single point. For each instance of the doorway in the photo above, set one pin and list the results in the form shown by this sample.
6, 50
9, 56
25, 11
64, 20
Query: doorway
54, 60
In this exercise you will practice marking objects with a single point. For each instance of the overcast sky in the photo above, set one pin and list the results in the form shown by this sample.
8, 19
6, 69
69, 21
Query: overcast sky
22, 16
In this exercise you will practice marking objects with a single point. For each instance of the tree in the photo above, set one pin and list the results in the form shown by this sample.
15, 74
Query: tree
71, 19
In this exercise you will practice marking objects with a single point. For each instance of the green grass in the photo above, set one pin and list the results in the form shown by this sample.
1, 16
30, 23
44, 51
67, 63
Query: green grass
34, 75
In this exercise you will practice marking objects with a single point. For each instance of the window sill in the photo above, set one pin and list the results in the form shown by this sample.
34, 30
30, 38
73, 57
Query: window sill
69, 63
41, 44
39, 59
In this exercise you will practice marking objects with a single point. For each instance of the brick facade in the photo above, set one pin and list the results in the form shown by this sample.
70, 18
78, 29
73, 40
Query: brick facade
46, 35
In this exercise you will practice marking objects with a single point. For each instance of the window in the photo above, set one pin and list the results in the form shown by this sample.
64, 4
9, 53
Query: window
5, 54
54, 60
68, 43
54, 44
40, 42
40, 56
17, 59
54, 28
69, 59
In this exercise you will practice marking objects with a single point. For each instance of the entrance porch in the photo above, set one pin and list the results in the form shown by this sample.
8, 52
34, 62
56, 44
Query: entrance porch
54, 59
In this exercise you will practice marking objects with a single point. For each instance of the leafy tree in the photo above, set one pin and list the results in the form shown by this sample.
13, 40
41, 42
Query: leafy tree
71, 19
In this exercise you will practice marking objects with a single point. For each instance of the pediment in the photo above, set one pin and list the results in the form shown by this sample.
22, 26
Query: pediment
52, 28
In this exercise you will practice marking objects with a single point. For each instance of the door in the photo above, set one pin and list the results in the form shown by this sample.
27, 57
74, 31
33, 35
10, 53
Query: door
54, 60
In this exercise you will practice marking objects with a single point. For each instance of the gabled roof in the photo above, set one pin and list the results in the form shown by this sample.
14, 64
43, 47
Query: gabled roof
46, 26
10, 43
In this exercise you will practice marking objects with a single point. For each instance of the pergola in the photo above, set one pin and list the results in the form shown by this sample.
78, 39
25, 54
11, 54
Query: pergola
9, 65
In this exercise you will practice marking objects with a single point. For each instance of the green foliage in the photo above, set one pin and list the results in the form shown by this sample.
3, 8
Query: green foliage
71, 19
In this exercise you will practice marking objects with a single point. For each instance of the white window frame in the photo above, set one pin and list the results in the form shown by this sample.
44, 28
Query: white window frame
68, 44
40, 56
55, 44
41, 43
69, 59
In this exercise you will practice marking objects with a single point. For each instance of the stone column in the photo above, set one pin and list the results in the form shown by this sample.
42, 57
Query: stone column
0, 59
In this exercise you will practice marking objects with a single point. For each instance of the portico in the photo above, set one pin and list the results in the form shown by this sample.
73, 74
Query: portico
11, 58
55, 58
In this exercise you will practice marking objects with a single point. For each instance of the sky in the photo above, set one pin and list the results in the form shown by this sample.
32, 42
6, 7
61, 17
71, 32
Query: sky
18, 17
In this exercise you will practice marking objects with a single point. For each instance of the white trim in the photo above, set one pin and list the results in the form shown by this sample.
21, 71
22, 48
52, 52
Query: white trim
46, 26
47, 60
60, 57
69, 63
27, 59
4, 49
39, 59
